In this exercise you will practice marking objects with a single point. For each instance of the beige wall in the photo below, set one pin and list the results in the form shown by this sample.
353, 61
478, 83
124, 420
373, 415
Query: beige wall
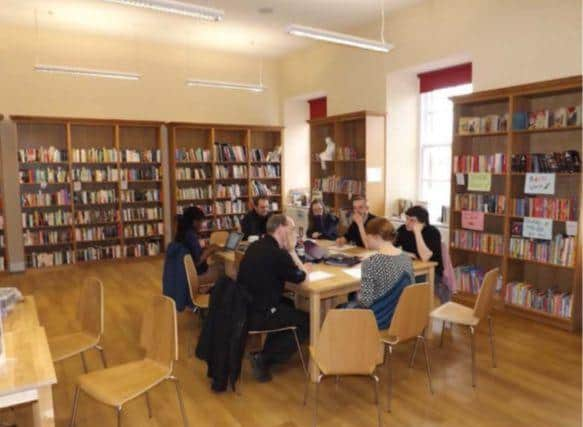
160, 95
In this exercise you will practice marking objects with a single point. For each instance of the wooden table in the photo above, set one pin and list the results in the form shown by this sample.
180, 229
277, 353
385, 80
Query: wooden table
29, 373
322, 293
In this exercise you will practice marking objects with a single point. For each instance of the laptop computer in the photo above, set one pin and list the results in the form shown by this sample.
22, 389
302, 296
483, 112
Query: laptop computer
233, 240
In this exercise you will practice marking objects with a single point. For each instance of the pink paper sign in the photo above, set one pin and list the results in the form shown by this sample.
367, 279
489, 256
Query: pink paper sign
473, 220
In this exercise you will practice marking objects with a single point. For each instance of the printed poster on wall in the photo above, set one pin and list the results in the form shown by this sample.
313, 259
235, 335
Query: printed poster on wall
537, 228
539, 183
473, 220
479, 181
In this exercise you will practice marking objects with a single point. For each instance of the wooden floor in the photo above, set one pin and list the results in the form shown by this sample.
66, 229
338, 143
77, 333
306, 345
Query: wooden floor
537, 381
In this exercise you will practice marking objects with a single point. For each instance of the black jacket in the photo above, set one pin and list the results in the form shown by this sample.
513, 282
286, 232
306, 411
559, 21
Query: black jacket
222, 340
253, 224
353, 234
326, 225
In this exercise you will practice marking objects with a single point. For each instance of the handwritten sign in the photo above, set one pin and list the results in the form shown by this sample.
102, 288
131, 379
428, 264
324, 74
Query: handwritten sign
537, 228
479, 181
571, 228
539, 183
473, 220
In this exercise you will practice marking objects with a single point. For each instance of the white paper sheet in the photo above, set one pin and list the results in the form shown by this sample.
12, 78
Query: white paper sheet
354, 272
319, 275
340, 248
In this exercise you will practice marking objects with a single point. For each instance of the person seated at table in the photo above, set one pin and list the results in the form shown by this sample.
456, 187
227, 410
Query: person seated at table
265, 268
356, 232
188, 233
321, 223
253, 223
422, 240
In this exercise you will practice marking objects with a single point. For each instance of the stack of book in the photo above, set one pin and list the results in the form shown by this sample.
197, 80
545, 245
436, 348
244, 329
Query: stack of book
230, 153
43, 155
545, 207
135, 156
490, 203
552, 300
559, 251
493, 163
468, 279
568, 161
95, 155
478, 241
192, 155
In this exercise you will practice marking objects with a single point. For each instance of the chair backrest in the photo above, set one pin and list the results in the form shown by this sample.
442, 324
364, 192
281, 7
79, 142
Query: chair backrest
486, 294
349, 343
159, 334
219, 237
385, 306
191, 276
90, 313
412, 312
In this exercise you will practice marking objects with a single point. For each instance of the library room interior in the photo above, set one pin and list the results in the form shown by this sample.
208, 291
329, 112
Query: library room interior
274, 213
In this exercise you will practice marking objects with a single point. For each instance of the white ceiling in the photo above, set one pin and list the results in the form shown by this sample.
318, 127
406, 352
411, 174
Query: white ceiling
244, 29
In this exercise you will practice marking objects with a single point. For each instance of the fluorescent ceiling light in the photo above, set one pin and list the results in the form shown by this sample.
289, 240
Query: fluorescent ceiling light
339, 38
176, 7
63, 69
226, 85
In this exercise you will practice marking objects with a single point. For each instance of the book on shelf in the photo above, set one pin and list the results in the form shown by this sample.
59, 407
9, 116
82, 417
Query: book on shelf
232, 191
49, 259
96, 216
186, 173
559, 209
192, 155
552, 300
46, 237
149, 173
48, 175
42, 154
487, 124
559, 251
46, 218
141, 249
94, 253
232, 171
140, 195
258, 155
143, 230
469, 278
97, 233
95, 197
95, 155
268, 171
96, 175
556, 162
478, 241
346, 152
264, 189
136, 156
142, 213
544, 119
339, 184
190, 193
492, 163
489, 203
40, 199
227, 222
230, 207
206, 208
230, 153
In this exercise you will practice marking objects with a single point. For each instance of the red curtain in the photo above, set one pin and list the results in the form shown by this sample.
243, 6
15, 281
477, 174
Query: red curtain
445, 77
318, 108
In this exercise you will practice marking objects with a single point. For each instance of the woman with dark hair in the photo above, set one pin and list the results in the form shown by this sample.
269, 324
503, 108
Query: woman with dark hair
321, 224
423, 241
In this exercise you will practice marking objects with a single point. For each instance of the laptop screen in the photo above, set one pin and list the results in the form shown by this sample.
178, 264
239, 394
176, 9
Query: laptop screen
233, 240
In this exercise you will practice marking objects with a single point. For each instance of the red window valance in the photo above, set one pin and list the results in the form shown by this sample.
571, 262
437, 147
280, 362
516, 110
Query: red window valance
445, 77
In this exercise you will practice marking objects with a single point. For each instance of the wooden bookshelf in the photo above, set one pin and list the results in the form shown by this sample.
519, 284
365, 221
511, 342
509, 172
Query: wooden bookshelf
96, 179
548, 95
364, 133
3, 257
219, 174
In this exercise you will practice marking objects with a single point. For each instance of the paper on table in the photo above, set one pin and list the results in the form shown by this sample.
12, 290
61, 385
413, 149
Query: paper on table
354, 272
319, 275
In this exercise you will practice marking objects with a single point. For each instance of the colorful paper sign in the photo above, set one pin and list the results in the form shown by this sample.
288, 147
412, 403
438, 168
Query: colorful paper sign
479, 181
537, 228
473, 220
571, 228
539, 183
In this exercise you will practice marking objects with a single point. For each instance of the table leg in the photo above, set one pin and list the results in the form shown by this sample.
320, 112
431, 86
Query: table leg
42, 409
230, 270
431, 279
314, 331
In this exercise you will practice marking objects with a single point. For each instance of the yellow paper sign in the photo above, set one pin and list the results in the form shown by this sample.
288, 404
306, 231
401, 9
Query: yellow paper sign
479, 181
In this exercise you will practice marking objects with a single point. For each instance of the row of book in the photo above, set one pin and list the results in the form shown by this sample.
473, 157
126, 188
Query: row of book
559, 251
193, 193
559, 209
96, 216
230, 207
43, 175
230, 153
487, 124
338, 184
39, 199
144, 213
95, 155
56, 218
552, 300
257, 155
490, 203
96, 197
140, 195
49, 259
264, 189
544, 119
568, 161
478, 241
469, 278
150, 173
226, 223
46, 237
42, 154
96, 175
493, 163
192, 155
142, 249
144, 230
232, 191
87, 234
185, 173
268, 171
347, 152
131, 156
234, 171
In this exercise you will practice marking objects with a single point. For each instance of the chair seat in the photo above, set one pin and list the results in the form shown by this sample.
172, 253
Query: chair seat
388, 339
455, 313
202, 300
120, 384
65, 346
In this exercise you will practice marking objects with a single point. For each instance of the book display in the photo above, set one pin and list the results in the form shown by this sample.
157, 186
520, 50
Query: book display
516, 189
89, 189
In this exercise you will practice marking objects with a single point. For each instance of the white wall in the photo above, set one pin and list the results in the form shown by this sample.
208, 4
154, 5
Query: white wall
297, 144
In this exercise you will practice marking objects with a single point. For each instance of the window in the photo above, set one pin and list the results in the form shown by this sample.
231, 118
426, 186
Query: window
436, 113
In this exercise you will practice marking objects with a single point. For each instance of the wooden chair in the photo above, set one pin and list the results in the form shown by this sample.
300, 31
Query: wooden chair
219, 238
409, 322
90, 315
465, 316
348, 346
118, 385
200, 301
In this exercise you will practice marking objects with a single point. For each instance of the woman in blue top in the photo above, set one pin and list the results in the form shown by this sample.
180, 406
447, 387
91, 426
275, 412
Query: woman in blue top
189, 225
321, 224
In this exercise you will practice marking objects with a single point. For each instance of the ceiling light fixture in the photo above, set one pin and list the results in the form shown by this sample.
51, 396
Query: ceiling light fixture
226, 85
176, 7
339, 38
86, 72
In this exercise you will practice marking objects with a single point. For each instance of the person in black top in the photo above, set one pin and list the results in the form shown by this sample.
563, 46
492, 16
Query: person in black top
267, 265
253, 223
423, 241
187, 232
356, 232
321, 224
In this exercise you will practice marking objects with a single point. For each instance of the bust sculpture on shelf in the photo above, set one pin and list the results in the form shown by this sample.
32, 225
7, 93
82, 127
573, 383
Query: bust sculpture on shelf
328, 153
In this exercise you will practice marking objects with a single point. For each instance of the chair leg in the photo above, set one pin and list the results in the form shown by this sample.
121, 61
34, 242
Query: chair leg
390, 375
84, 362
315, 418
180, 400
414, 353
473, 345
304, 367
491, 328
442, 333
102, 354
148, 404
119, 416
427, 363
75, 406
377, 400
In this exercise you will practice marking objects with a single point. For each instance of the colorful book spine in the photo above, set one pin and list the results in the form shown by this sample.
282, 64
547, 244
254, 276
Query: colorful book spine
490, 203
95, 253
186, 173
230, 153
46, 237
40, 199
142, 214
49, 259
149, 173
232, 191
96, 216
560, 209
338, 184
137, 156
194, 193
95, 197
57, 175
42, 155
87, 234
469, 278
559, 251
478, 241
552, 300
143, 230
230, 172
58, 218
269, 171
230, 207
263, 189
138, 195
141, 249
95, 155
192, 155
109, 174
